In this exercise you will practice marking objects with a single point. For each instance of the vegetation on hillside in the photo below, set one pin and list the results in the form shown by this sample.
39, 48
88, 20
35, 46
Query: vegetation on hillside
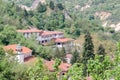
98, 56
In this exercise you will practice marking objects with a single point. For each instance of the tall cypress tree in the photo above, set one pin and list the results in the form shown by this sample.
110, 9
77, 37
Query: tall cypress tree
88, 52
101, 51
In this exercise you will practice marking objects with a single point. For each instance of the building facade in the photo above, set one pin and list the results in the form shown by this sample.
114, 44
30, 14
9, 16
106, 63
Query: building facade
44, 37
20, 52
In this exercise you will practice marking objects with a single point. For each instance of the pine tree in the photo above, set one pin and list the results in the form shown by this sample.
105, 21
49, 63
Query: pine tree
88, 52
88, 48
101, 51
51, 5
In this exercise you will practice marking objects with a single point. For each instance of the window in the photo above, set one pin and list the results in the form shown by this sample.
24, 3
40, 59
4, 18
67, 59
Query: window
45, 40
42, 41
58, 43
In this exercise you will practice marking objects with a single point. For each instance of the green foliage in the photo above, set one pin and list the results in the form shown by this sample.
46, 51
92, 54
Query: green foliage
6, 69
41, 8
37, 72
2, 52
88, 48
59, 53
88, 52
76, 57
60, 6
8, 34
57, 63
46, 53
12, 17
101, 51
51, 5
75, 72
98, 69
26, 2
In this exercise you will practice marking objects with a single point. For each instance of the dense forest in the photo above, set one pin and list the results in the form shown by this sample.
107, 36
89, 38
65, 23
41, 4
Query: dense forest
78, 19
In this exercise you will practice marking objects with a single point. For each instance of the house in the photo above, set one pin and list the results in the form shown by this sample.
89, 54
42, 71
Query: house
47, 36
44, 37
63, 66
29, 32
63, 42
20, 52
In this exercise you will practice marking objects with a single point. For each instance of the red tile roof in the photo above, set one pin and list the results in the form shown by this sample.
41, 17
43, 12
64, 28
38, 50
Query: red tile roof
50, 33
63, 66
62, 40
25, 50
49, 65
29, 31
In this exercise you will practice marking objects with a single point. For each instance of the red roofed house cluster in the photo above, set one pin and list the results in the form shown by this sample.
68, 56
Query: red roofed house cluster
63, 66
46, 36
43, 37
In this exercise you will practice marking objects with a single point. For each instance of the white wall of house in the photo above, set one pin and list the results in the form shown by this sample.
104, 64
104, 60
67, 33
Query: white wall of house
68, 60
20, 58
28, 35
27, 54
47, 38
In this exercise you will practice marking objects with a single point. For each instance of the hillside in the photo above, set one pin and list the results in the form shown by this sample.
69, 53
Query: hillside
59, 40
105, 11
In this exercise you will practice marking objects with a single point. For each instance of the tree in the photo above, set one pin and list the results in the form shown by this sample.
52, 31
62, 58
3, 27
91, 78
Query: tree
60, 6
116, 69
8, 35
6, 68
56, 52
75, 57
100, 70
88, 52
41, 8
75, 72
38, 72
57, 63
25, 13
62, 53
2, 52
51, 5
101, 51
88, 48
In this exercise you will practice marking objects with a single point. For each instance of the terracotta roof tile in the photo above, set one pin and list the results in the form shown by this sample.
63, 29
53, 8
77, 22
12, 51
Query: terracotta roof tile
50, 33
29, 31
63, 66
62, 40
49, 64
25, 50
